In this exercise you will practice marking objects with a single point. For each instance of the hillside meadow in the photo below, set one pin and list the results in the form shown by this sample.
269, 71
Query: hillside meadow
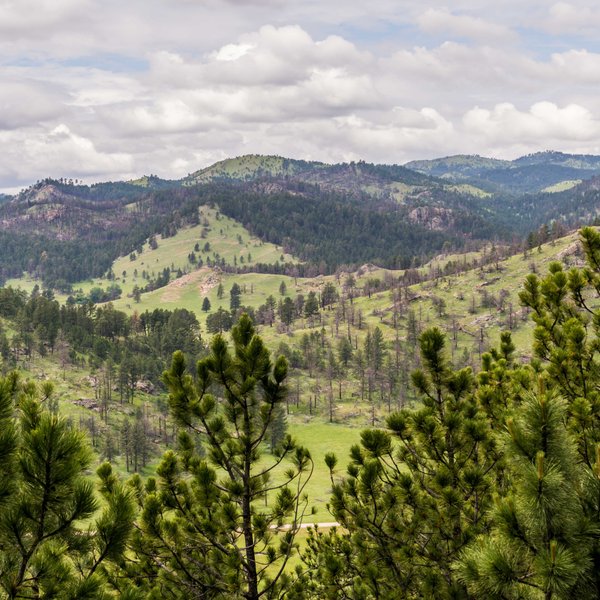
472, 297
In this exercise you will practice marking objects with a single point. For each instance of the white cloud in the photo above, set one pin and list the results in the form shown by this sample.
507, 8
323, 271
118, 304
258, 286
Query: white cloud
233, 51
98, 88
442, 21
544, 122
577, 66
578, 17
57, 152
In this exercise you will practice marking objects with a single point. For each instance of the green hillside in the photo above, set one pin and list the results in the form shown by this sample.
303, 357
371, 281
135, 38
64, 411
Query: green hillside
351, 341
539, 172
460, 166
219, 241
330, 216
472, 297
251, 166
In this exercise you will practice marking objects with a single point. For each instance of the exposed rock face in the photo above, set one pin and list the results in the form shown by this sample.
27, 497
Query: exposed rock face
432, 217
46, 209
88, 403
573, 249
145, 386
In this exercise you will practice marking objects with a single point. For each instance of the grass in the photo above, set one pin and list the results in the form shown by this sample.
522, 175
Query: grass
466, 188
74, 383
241, 167
471, 327
562, 186
227, 240
400, 190
321, 438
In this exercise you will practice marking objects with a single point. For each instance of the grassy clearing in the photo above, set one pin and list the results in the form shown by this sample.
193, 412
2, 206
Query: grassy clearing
400, 190
75, 383
455, 303
244, 167
189, 291
466, 188
562, 186
472, 325
217, 238
321, 438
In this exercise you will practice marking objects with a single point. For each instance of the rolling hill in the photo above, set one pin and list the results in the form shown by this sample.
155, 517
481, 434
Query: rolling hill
328, 216
528, 174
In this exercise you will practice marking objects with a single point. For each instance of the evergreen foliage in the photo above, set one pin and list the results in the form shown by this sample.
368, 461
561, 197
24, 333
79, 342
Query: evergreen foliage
540, 546
415, 495
336, 222
46, 551
566, 338
204, 530
487, 487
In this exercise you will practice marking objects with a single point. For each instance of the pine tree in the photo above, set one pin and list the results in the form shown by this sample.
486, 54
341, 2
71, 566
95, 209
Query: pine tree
414, 495
567, 348
540, 546
8, 441
234, 297
206, 530
311, 306
45, 550
287, 311
344, 351
567, 339
501, 383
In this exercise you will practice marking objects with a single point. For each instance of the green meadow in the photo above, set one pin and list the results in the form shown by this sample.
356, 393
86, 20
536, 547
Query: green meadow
473, 307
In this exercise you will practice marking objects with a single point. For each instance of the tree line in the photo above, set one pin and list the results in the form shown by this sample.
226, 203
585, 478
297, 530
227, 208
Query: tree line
106, 221
488, 487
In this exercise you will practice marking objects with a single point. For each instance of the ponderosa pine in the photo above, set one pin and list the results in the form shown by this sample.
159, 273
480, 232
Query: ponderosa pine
415, 494
206, 528
46, 549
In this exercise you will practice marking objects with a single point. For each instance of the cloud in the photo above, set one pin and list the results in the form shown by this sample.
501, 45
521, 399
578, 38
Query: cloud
442, 21
564, 17
24, 102
544, 122
232, 51
57, 152
28, 16
272, 75
189, 82
578, 66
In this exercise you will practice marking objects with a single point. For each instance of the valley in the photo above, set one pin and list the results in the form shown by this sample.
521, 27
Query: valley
189, 260
472, 297
202, 253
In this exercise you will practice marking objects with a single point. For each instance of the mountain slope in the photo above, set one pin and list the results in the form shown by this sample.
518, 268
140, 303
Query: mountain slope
527, 174
327, 215
353, 178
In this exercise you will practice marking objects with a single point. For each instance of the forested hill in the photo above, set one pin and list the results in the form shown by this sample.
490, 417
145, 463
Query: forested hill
327, 215
528, 174
344, 176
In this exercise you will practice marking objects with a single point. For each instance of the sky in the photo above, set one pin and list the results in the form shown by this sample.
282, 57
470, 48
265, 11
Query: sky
113, 89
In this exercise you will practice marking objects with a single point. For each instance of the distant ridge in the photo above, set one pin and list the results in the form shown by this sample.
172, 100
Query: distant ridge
531, 173
330, 215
